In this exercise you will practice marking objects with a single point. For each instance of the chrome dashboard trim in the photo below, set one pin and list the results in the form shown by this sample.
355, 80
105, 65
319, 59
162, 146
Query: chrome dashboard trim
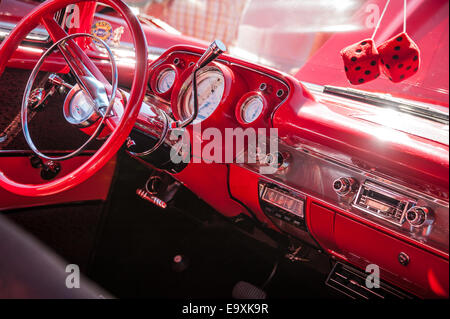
161, 139
312, 173
379, 177
424, 110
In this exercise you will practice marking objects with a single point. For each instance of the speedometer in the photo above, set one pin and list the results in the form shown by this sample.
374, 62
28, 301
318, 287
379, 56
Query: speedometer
210, 88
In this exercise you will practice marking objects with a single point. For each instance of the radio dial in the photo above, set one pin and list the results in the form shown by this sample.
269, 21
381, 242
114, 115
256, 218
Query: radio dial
418, 216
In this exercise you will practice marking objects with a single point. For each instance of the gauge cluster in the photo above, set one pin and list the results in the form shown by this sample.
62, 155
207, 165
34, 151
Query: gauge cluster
227, 91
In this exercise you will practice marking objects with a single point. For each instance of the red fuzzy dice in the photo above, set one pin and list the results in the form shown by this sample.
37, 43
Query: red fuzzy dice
400, 57
361, 61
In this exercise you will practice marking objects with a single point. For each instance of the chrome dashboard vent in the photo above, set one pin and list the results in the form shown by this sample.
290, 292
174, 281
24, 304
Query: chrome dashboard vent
352, 283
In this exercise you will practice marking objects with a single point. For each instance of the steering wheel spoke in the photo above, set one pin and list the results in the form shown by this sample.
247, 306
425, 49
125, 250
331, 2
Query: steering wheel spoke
53, 28
82, 67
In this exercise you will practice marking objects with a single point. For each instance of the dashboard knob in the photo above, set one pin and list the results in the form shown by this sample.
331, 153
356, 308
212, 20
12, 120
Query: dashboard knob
50, 170
403, 259
418, 216
130, 142
345, 185
277, 160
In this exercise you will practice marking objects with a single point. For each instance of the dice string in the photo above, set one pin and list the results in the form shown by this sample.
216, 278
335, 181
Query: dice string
382, 16
379, 20
398, 57
404, 16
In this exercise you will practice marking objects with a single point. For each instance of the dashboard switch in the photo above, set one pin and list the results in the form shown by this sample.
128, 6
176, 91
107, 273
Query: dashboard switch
418, 216
345, 185
278, 160
403, 259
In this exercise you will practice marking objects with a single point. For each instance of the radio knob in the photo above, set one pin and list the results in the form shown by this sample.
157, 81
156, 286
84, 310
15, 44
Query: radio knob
418, 216
345, 185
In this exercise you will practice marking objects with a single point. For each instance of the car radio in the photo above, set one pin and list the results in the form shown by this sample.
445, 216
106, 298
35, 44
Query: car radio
383, 202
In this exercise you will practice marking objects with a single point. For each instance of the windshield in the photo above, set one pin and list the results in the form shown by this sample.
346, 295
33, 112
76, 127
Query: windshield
304, 37
300, 37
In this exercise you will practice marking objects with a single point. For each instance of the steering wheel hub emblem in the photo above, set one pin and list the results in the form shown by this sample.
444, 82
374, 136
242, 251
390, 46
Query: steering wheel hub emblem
79, 109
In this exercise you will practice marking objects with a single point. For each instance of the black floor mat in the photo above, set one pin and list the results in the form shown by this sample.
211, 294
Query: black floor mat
134, 254
70, 230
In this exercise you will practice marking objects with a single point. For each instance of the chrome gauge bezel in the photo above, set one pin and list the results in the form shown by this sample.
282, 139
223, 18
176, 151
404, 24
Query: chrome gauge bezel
184, 109
160, 76
156, 76
246, 103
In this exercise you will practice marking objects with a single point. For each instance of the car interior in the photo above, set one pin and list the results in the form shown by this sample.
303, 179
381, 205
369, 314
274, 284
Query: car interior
141, 161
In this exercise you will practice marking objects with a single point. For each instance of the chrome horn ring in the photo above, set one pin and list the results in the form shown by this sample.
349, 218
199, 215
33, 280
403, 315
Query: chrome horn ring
32, 78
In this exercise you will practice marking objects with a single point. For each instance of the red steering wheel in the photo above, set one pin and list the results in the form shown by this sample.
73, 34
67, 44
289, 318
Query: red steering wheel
121, 128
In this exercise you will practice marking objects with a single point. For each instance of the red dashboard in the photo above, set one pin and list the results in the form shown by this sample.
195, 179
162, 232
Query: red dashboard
326, 144
322, 140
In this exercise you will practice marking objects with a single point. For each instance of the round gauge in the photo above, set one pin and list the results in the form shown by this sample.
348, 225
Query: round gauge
252, 108
165, 80
210, 88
